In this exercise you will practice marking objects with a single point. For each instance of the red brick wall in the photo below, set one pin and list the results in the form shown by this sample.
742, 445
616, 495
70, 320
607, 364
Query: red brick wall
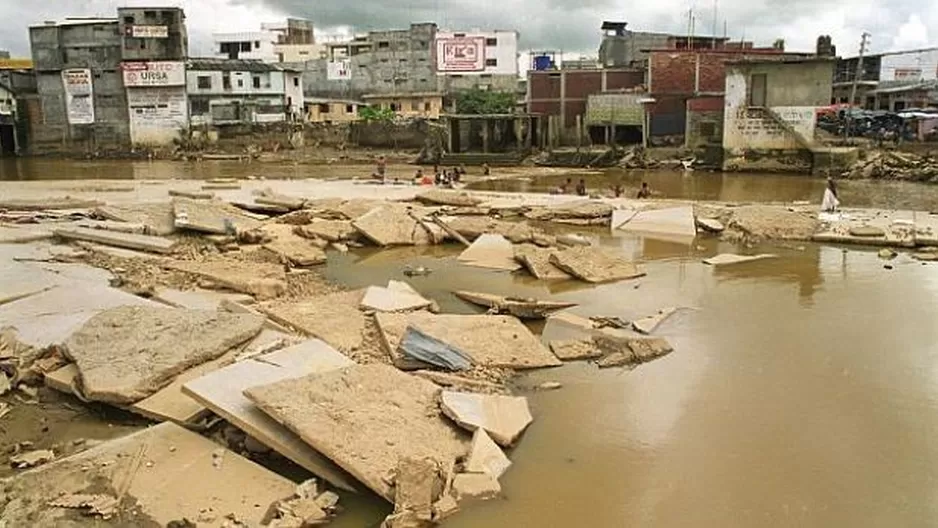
624, 80
544, 107
544, 85
582, 84
673, 71
705, 104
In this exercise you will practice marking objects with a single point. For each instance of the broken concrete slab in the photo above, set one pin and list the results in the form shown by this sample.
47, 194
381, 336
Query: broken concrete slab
115, 238
211, 216
485, 456
627, 351
594, 265
418, 484
24, 234
128, 353
195, 195
334, 318
389, 225
50, 317
575, 349
331, 230
121, 252
620, 217
492, 252
476, 486
48, 204
579, 209
647, 325
263, 281
157, 218
489, 340
157, 476
537, 261
292, 247
198, 299
222, 391
873, 227
504, 418
867, 231
32, 458
452, 198
382, 299
520, 308
674, 222
366, 418
727, 259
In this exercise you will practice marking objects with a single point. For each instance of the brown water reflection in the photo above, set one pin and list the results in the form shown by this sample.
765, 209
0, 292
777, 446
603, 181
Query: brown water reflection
802, 393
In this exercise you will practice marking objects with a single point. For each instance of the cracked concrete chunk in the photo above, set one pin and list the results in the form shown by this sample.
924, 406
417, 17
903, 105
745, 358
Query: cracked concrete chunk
504, 418
624, 351
32, 458
389, 225
366, 418
647, 325
594, 265
264, 281
128, 353
492, 252
537, 261
476, 486
485, 456
331, 230
335, 318
393, 300
575, 349
149, 243
453, 198
292, 247
672, 222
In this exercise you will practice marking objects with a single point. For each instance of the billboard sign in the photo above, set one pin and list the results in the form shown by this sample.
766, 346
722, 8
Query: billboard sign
79, 96
159, 73
148, 31
339, 70
461, 54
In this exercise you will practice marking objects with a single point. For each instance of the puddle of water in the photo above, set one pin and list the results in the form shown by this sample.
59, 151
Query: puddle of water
801, 392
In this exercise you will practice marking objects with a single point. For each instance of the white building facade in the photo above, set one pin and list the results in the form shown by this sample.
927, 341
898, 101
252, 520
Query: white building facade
156, 101
227, 92
289, 41
481, 59
909, 66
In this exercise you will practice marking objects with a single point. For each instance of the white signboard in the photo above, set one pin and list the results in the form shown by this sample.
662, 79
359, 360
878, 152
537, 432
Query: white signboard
149, 31
156, 114
79, 96
460, 54
339, 70
161, 73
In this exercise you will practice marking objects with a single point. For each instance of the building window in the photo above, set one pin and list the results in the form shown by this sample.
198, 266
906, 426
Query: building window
240, 83
491, 62
384, 60
396, 107
323, 108
403, 61
459, 35
204, 82
257, 44
491, 42
129, 20
199, 107
384, 44
415, 106
296, 81
349, 109
245, 46
257, 83
485, 76
426, 107
757, 89
149, 14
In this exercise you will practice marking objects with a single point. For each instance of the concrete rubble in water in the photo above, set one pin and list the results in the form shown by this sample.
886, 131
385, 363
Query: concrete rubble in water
164, 474
594, 265
537, 261
330, 230
295, 249
648, 325
504, 418
396, 297
868, 227
676, 222
485, 456
157, 218
489, 340
393, 225
367, 419
126, 354
521, 308
728, 259
491, 252
452, 198
222, 391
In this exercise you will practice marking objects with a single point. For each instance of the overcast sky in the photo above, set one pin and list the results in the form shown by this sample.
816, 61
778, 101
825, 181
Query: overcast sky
568, 25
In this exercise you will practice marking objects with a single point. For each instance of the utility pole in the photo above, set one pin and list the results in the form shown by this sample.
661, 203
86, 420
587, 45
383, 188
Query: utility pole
856, 79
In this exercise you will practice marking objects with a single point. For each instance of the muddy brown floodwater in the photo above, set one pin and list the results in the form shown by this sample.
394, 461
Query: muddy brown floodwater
803, 391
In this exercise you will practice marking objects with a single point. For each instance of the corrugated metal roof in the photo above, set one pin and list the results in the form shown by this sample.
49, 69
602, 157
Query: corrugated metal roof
241, 65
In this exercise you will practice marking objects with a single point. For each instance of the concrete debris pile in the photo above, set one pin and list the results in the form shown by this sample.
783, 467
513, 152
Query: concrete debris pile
894, 165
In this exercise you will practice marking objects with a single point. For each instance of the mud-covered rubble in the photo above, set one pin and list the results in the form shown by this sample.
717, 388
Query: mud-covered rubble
894, 165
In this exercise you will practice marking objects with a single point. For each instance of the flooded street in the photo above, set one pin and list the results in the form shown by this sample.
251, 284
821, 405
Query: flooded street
802, 391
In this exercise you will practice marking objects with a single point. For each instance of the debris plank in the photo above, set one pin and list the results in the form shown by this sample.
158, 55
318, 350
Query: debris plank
671, 222
383, 299
504, 418
594, 265
115, 238
726, 259
222, 391
490, 251
263, 281
537, 261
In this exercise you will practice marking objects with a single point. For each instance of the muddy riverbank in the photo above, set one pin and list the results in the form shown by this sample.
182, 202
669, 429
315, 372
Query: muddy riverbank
777, 405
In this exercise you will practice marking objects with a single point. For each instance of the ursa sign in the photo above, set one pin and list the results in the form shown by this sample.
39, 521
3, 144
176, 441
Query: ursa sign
161, 73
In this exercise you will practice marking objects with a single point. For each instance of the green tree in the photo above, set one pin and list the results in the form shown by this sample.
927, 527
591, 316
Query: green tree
371, 113
476, 101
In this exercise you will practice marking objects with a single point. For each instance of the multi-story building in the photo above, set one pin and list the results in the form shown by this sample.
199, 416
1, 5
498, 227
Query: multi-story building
477, 59
17, 99
290, 41
890, 81
622, 47
154, 50
227, 92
